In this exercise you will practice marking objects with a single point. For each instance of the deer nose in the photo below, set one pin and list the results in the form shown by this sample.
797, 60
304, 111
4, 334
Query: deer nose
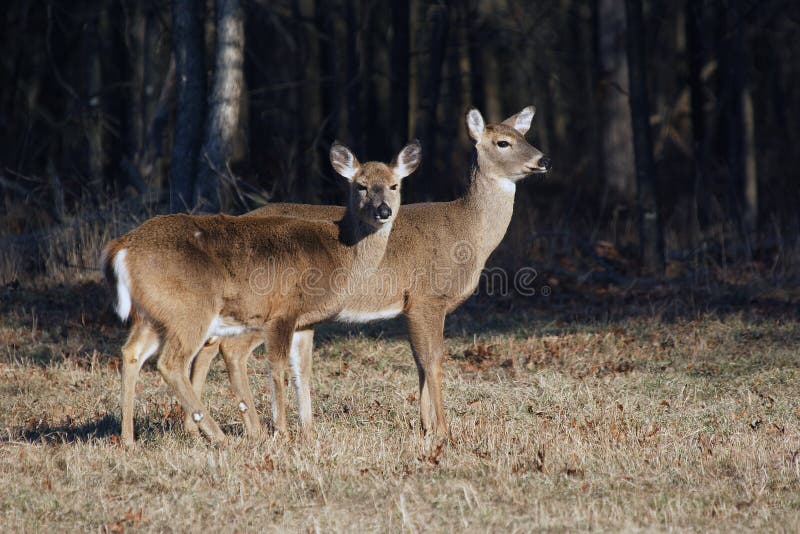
384, 211
545, 163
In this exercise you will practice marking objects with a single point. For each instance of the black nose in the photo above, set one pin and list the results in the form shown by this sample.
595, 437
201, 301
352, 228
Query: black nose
384, 211
546, 163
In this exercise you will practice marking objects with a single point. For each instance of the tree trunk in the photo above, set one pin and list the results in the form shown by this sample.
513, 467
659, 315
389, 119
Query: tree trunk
475, 44
353, 82
148, 110
144, 169
695, 53
400, 72
137, 26
650, 236
750, 167
452, 106
373, 125
93, 118
328, 93
742, 190
222, 125
304, 179
595, 86
190, 76
431, 58
742, 150
615, 119
154, 137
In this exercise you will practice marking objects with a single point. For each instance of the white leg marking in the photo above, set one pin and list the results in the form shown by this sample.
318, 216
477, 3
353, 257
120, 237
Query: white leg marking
142, 353
294, 361
304, 404
301, 383
274, 400
242, 407
148, 351
197, 417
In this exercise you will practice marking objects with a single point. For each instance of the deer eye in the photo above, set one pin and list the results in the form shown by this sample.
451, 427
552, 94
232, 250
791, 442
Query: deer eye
361, 187
393, 187
503, 144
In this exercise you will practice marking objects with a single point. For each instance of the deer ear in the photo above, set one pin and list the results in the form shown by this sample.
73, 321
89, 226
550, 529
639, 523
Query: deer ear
521, 122
475, 124
408, 159
344, 161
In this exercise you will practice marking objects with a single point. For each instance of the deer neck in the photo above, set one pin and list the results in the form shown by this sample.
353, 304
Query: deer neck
490, 200
367, 243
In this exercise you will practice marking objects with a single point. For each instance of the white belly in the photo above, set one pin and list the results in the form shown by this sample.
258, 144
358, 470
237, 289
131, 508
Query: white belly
350, 316
225, 327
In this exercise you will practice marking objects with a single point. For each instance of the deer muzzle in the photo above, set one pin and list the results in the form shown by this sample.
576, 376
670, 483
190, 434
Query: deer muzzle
383, 212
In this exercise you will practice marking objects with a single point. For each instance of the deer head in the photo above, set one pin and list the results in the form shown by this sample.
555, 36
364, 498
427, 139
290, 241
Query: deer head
375, 186
502, 151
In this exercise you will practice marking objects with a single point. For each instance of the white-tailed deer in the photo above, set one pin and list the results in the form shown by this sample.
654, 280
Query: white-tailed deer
434, 259
185, 279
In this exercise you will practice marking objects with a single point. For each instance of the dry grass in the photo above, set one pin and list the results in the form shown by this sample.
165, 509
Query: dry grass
633, 420
67, 251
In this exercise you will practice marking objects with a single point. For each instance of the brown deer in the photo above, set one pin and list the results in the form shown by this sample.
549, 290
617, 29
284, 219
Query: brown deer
432, 264
185, 279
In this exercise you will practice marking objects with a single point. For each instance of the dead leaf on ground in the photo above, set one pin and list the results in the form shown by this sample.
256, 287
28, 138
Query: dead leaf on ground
434, 457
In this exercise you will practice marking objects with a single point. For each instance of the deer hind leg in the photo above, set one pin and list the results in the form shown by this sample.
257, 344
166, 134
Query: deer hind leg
300, 363
142, 343
278, 338
199, 373
173, 364
236, 352
426, 330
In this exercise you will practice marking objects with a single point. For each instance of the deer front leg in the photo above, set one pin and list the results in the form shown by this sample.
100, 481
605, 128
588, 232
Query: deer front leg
426, 332
278, 339
300, 363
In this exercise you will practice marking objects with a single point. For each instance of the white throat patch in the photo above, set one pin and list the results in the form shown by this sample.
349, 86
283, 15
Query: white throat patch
508, 186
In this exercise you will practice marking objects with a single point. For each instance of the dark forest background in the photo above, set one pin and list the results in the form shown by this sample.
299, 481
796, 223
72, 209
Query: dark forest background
672, 125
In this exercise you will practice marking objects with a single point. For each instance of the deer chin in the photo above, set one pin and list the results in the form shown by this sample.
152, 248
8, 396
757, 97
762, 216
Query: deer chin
377, 224
537, 170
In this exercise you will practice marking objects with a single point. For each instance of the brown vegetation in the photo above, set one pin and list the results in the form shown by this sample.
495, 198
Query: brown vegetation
602, 410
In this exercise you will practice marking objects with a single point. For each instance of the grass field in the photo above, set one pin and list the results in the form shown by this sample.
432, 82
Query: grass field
606, 412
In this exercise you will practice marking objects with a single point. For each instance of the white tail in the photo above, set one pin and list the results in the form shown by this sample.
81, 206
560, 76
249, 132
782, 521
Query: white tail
123, 304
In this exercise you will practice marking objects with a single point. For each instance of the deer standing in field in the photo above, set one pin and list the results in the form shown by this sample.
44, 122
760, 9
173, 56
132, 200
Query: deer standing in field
185, 279
454, 238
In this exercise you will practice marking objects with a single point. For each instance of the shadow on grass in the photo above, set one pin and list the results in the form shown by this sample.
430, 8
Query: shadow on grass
82, 314
101, 428
104, 428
